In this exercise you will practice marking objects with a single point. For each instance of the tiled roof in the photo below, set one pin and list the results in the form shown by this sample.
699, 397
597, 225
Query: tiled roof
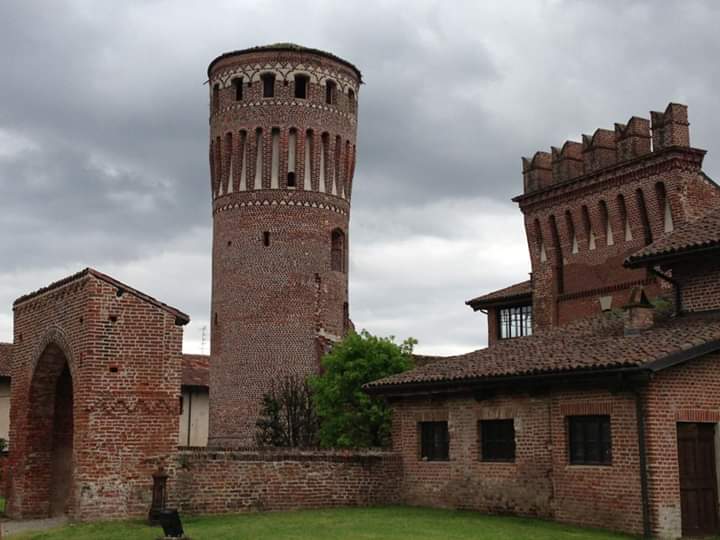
508, 293
179, 315
588, 344
5, 358
699, 234
196, 370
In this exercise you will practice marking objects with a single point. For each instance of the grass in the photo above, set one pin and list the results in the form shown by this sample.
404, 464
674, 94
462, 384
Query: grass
392, 523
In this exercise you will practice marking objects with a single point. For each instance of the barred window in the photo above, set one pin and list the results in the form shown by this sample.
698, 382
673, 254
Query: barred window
589, 440
515, 321
434, 441
497, 440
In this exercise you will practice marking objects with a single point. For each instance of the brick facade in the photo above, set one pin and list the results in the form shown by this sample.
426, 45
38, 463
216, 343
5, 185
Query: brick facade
539, 483
95, 390
230, 481
280, 251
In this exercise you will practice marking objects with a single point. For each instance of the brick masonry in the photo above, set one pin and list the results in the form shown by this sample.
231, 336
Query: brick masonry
277, 295
95, 390
228, 481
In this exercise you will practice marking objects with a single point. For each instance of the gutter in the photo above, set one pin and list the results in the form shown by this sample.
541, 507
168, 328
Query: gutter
642, 451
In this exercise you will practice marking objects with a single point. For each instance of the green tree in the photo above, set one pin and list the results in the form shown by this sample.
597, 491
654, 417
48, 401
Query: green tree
350, 418
287, 416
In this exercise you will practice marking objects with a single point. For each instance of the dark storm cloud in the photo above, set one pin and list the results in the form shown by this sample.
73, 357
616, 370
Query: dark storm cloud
103, 133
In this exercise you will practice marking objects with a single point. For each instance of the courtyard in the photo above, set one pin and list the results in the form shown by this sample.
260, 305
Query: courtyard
393, 523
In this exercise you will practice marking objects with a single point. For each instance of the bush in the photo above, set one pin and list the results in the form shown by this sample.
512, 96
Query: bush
287, 417
350, 418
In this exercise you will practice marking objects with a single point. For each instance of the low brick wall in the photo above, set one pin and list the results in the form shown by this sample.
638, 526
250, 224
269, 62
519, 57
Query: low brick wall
206, 481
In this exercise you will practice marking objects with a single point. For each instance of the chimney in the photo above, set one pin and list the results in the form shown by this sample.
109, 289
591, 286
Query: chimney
638, 312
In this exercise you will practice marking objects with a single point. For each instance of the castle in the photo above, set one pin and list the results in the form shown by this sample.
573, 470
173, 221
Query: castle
596, 402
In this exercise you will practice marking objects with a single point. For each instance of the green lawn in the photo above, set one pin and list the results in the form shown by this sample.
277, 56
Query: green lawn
396, 523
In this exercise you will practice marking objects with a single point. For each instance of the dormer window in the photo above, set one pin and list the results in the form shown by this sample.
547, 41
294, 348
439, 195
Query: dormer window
514, 321
268, 81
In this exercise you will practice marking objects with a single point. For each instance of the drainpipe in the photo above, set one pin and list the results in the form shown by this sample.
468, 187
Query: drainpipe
640, 417
674, 283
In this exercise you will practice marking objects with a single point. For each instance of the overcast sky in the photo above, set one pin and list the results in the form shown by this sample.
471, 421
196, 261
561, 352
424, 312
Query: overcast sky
103, 136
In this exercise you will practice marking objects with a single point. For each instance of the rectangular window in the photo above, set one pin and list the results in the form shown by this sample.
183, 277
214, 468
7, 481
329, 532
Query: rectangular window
515, 321
589, 440
268, 80
434, 441
497, 440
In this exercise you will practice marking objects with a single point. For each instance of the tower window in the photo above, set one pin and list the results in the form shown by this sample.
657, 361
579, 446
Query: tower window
351, 101
291, 179
330, 92
266, 238
216, 98
337, 251
238, 86
268, 80
301, 86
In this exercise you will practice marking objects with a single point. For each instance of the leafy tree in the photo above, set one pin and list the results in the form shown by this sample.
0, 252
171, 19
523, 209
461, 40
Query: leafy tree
350, 418
287, 417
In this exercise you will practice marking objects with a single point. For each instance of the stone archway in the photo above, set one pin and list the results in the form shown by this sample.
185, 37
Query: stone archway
50, 430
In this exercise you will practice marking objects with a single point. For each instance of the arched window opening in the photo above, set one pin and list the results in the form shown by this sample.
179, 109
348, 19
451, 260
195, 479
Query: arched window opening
238, 86
605, 216
587, 225
570, 224
539, 239
309, 148
351, 100
213, 180
216, 98
268, 80
642, 210
664, 207
558, 255
292, 148
301, 86
330, 92
337, 251
226, 184
622, 209
258, 159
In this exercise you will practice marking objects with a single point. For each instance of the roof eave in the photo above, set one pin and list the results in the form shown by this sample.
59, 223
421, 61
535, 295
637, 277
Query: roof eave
669, 256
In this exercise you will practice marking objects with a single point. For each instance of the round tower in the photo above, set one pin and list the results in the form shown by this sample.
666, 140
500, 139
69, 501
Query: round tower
283, 122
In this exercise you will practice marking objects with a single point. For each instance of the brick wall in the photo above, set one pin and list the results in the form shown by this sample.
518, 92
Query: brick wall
688, 393
121, 356
275, 292
217, 481
699, 277
588, 206
540, 482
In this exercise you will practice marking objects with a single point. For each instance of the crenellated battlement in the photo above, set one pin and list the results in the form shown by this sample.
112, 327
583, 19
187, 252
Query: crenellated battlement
606, 148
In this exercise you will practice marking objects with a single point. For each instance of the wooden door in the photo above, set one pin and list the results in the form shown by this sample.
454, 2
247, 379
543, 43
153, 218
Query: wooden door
698, 483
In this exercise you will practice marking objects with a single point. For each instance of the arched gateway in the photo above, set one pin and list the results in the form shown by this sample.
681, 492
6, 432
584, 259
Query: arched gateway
96, 372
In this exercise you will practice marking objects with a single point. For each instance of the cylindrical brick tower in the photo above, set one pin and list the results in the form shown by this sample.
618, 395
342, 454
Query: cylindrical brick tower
283, 122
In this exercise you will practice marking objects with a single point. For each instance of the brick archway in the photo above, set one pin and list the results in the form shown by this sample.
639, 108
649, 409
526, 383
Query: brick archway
50, 423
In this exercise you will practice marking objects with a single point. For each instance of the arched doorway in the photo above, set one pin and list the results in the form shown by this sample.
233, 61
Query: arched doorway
50, 434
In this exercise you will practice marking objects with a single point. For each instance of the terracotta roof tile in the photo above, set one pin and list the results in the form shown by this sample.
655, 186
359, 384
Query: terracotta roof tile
508, 293
594, 343
196, 370
5, 359
701, 233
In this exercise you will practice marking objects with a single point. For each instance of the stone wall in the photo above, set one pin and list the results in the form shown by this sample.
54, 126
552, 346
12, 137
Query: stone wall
206, 481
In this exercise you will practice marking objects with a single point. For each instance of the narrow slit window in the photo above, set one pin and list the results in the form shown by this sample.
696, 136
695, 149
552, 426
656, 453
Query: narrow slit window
609, 240
587, 225
268, 80
351, 100
570, 224
266, 238
642, 209
301, 86
664, 207
622, 209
